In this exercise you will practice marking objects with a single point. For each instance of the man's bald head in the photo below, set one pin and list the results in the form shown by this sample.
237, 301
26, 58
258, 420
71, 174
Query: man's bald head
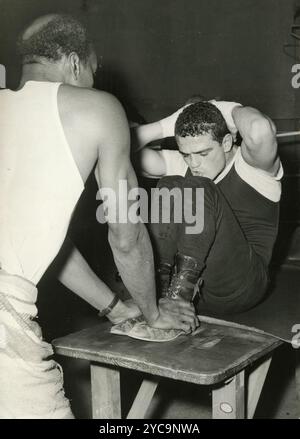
53, 36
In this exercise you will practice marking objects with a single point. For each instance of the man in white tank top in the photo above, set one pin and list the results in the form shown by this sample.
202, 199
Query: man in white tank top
53, 130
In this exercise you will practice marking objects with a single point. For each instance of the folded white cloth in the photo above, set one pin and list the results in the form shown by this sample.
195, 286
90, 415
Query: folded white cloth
139, 329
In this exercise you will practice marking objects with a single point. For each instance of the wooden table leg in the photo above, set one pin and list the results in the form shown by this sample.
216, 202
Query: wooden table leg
106, 393
256, 381
143, 398
228, 401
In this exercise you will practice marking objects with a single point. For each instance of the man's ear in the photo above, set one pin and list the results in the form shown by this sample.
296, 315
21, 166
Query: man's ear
74, 62
227, 142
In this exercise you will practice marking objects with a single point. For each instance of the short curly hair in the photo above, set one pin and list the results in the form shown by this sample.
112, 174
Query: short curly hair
61, 35
201, 118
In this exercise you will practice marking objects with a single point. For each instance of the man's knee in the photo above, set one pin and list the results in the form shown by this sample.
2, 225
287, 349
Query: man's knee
194, 181
170, 182
211, 193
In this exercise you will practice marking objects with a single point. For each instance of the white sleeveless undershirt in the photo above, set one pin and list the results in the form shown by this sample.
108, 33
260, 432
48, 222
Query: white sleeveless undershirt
39, 181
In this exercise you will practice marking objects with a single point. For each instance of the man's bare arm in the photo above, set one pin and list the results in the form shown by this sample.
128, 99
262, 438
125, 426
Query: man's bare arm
144, 134
150, 163
77, 276
259, 146
129, 242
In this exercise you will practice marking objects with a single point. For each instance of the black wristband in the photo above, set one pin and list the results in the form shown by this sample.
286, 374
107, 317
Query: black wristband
110, 307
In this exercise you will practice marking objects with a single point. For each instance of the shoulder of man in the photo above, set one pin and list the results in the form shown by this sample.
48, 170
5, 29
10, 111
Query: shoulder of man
87, 105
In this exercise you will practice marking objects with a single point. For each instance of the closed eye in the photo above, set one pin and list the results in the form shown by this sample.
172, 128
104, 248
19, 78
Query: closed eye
202, 154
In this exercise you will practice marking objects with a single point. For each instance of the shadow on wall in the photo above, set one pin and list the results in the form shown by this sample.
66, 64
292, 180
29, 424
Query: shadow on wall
109, 79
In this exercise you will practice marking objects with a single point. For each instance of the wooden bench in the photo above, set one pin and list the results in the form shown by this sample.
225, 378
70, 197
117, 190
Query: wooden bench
219, 355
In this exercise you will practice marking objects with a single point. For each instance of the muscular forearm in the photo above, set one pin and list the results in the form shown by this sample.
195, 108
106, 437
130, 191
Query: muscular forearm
252, 125
136, 268
259, 146
144, 134
165, 127
78, 277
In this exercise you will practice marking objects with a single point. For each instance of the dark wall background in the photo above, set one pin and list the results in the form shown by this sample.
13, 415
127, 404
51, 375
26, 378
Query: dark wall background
155, 54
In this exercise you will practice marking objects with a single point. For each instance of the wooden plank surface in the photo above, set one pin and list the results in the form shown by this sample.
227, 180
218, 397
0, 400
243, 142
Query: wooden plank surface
215, 353
277, 315
106, 393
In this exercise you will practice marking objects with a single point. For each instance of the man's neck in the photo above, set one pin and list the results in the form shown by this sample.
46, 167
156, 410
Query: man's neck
40, 72
228, 158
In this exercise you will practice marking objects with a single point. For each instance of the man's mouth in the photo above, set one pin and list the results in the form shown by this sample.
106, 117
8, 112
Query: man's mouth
196, 172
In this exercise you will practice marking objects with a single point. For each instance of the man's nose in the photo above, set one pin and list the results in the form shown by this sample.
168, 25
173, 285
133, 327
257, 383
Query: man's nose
195, 161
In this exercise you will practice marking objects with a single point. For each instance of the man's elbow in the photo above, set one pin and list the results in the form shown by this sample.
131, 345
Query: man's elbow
261, 130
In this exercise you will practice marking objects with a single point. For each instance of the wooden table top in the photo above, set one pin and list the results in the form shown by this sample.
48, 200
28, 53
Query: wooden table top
217, 352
